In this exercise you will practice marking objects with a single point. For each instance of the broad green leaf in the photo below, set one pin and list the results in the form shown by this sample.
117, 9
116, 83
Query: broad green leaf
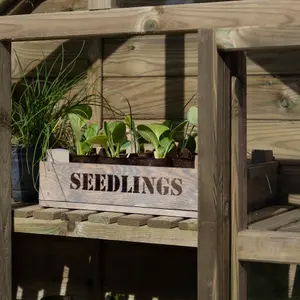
98, 139
83, 110
118, 132
77, 123
167, 123
159, 153
125, 145
158, 129
179, 128
91, 131
147, 134
192, 115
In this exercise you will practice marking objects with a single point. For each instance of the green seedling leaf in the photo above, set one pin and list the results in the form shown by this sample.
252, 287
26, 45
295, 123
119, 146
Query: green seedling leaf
129, 123
118, 131
91, 131
148, 135
83, 110
192, 115
125, 145
179, 128
98, 140
77, 123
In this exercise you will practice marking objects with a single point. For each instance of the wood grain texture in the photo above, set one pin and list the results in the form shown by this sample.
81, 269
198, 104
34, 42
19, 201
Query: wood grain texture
267, 212
149, 55
26, 212
105, 217
258, 37
189, 224
134, 220
51, 6
276, 222
5, 172
102, 4
269, 246
179, 18
49, 213
114, 232
56, 185
269, 97
239, 171
214, 171
163, 222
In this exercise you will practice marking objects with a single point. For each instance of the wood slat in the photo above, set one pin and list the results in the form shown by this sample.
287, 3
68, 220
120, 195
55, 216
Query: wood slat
177, 18
278, 221
105, 217
114, 232
268, 212
258, 37
293, 227
189, 224
269, 246
268, 97
134, 220
149, 56
49, 213
163, 222
26, 212
77, 215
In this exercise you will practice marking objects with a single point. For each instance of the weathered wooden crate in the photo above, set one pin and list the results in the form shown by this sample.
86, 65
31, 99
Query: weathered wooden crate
139, 189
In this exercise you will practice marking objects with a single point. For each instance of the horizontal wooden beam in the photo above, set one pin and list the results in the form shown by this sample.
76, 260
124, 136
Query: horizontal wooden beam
258, 37
147, 20
269, 246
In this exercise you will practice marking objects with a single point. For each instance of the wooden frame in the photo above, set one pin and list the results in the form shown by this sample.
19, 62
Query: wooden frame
222, 199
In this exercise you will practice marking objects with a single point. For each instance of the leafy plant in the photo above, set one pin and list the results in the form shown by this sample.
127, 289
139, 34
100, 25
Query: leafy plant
112, 138
41, 106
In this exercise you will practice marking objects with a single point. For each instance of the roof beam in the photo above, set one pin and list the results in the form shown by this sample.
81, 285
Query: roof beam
258, 37
143, 20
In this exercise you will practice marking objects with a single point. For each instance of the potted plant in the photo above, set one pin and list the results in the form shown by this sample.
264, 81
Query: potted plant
39, 121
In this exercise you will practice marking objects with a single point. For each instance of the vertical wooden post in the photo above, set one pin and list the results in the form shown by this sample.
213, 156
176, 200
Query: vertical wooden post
95, 74
213, 170
5, 171
238, 171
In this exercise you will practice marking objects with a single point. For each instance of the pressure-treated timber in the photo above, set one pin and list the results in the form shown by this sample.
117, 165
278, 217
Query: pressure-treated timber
258, 37
214, 170
238, 170
5, 172
269, 246
142, 20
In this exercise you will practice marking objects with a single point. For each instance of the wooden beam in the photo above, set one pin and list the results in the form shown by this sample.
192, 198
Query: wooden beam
214, 170
143, 20
5, 171
269, 246
238, 170
258, 37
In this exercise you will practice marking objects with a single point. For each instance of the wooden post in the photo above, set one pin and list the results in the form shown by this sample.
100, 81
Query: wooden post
238, 171
95, 74
214, 170
5, 171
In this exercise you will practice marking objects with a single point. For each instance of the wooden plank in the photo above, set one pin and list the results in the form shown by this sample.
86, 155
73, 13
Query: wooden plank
239, 171
163, 222
268, 97
151, 53
134, 220
189, 224
258, 37
26, 212
51, 6
113, 232
214, 171
102, 4
269, 246
278, 221
105, 217
49, 213
77, 215
5, 172
131, 186
141, 20
268, 212
292, 227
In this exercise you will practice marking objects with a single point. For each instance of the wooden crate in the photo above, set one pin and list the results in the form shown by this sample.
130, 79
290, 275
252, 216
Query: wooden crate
139, 189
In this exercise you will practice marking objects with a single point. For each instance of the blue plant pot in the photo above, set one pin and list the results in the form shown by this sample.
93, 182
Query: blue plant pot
24, 188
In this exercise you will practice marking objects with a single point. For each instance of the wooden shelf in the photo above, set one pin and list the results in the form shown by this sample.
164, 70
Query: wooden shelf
106, 225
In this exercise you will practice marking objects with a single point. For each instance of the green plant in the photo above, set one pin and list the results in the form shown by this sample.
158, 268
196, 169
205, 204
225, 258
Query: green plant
41, 105
112, 138
160, 136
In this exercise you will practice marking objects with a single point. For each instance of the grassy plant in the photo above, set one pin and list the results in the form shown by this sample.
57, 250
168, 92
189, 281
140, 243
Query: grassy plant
41, 106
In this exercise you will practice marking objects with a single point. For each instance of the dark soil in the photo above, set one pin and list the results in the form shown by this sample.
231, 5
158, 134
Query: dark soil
134, 160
